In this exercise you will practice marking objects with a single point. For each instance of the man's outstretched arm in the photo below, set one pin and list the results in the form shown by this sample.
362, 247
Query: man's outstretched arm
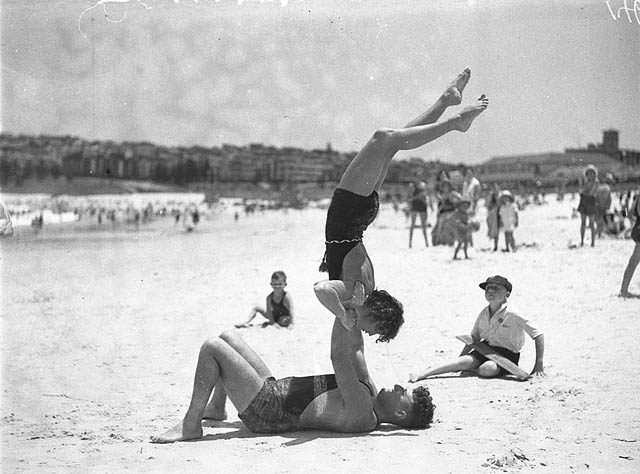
345, 348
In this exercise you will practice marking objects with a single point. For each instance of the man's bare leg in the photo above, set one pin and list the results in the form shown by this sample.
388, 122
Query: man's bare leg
451, 96
215, 409
217, 361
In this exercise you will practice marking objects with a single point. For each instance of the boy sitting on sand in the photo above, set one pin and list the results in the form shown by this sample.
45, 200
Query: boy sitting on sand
279, 307
500, 328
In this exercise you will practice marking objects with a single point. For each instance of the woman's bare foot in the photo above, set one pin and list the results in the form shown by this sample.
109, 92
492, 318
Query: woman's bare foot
453, 94
180, 432
469, 113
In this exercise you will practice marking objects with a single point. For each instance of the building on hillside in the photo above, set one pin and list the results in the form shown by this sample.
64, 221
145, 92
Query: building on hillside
557, 168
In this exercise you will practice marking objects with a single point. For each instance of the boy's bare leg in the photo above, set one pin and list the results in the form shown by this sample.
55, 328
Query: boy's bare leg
217, 361
465, 362
451, 96
215, 409
254, 312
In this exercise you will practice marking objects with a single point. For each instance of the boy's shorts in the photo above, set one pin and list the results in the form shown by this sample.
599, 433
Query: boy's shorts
512, 356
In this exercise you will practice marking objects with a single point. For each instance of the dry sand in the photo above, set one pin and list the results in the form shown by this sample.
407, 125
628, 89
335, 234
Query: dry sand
101, 333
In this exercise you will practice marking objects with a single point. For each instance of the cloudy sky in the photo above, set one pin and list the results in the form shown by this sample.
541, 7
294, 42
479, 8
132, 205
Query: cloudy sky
305, 73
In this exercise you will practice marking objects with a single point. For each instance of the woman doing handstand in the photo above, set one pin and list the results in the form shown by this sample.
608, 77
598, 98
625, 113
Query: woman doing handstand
350, 292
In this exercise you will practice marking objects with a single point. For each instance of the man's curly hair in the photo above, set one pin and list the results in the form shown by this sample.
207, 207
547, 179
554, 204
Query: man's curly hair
423, 408
387, 312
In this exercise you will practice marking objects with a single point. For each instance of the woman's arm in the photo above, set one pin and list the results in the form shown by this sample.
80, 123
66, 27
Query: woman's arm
331, 294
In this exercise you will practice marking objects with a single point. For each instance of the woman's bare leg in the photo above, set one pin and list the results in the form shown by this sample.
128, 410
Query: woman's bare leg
215, 409
451, 96
367, 170
629, 271
583, 224
423, 224
414, 214
217, 361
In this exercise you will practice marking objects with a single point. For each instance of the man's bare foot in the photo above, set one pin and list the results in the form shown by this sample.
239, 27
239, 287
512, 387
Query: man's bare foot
453, 94
241, 325
470, 112
180, 432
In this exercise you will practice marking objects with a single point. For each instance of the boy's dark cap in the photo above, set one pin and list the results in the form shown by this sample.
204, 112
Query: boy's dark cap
498, 280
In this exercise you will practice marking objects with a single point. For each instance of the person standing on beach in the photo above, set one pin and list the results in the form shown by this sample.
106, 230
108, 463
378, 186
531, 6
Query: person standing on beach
603, 202
635, 255
508, 219
354, 207
499, 327
493, 215
587, 206
471, 190
418, 207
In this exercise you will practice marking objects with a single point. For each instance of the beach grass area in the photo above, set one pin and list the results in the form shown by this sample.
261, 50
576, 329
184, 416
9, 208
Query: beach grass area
101, 331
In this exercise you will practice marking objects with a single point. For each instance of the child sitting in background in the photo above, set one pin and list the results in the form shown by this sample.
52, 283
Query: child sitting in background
508, 219
500, 328
279, 307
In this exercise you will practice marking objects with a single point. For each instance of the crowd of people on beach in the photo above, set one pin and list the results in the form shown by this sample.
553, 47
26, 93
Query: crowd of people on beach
348, 399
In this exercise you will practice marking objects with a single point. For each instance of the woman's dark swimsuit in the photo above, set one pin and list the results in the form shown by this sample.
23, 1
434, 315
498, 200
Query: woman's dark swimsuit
279, 404
348, 217
418, 201
587, 204
279, 310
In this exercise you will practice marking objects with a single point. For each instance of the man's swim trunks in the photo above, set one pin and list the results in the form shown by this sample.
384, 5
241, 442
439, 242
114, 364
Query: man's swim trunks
348, 217
279, 404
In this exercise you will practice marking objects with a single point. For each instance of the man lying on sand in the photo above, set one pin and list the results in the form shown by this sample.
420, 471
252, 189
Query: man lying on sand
344, 402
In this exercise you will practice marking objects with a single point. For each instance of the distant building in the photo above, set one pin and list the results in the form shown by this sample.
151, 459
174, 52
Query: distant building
554, 168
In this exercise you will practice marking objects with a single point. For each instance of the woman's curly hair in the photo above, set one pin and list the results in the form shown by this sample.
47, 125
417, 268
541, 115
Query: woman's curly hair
423, 408
387, 312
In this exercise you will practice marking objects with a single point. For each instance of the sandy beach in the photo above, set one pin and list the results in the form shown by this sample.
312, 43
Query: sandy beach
101, 331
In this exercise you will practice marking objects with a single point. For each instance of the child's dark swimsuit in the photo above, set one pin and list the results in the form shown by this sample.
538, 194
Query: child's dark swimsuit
348, 217
279, 404
278, 310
